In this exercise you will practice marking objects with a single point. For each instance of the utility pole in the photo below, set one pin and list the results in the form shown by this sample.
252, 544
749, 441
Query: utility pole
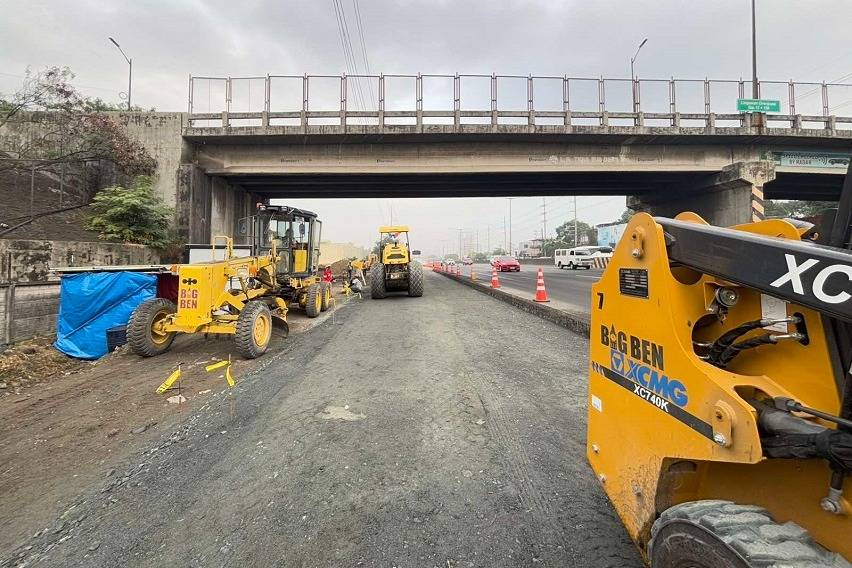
504, 231
543, 219
509, 248
575, 220
488, 241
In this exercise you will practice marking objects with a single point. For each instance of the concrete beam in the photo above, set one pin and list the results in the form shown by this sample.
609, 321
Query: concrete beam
730, 197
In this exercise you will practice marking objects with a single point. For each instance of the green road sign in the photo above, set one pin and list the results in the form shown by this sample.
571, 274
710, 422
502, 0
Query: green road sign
758, 105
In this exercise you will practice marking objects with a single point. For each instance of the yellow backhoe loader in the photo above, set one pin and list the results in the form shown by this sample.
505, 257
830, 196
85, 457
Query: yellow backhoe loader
720, 399
394, 269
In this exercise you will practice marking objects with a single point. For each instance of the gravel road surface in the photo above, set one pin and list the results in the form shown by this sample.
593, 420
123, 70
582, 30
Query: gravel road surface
446, 431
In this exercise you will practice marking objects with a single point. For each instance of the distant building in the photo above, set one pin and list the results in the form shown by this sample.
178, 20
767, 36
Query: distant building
610, 233
332, 252
529, 249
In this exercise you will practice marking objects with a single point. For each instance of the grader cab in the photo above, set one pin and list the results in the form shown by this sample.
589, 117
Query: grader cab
296, 235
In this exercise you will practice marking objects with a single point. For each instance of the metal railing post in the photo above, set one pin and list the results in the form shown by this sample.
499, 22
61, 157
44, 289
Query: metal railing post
381, 101
305, 94
456, 102
673, 102
343, 89
189, 105
530, 103
602, 102
493, 101
264, 117
566, 100
10, 313
418, 93
791, 96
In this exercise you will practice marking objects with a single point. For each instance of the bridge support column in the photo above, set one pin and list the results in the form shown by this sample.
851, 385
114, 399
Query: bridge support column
731, 197
209, 205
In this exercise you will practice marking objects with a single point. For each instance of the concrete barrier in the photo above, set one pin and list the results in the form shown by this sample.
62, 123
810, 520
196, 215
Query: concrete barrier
576, 322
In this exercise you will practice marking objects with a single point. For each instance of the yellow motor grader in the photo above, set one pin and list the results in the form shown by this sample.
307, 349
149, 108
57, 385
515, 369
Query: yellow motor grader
243, 296
720, 398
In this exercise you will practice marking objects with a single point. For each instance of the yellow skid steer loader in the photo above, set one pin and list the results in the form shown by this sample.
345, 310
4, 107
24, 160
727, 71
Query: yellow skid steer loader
720, 398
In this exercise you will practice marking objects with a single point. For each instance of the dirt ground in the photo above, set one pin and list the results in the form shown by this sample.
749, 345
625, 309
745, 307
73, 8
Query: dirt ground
63, 421
444, 431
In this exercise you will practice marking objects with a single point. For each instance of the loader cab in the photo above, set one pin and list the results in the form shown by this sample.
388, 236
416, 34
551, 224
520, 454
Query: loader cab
295, 232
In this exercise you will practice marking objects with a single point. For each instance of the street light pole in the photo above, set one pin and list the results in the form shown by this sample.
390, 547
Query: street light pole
633, 73
130, 72
755, 86
509, 251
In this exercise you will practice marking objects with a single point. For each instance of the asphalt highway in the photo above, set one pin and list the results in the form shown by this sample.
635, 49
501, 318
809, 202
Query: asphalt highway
568, 289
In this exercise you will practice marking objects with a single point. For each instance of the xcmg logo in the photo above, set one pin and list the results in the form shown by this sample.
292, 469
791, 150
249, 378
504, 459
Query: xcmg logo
644, 367
818, 288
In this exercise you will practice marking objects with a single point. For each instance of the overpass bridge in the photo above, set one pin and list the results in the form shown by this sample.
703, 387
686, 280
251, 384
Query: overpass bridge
668, 144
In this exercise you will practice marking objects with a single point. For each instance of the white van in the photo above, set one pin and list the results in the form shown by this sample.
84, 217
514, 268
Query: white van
582, 257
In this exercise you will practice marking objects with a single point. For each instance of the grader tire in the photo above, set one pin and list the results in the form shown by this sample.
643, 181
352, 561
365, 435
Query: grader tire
254, 330
313, 305
141, 336
722, 534
326, 296
378, 289
415, 279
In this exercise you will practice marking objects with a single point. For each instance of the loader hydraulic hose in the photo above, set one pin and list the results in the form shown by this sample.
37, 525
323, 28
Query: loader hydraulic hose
727, 339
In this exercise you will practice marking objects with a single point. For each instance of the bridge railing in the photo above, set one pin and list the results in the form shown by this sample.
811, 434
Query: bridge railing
423, 99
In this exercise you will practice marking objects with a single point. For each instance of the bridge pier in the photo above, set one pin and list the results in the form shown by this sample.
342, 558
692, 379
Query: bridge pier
208, 205
731, 197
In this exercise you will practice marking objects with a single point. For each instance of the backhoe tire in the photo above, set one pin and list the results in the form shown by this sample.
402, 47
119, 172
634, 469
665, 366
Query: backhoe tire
326, 296
377, 281
141, 336
415, 279
254, 330
313, 303
722, 534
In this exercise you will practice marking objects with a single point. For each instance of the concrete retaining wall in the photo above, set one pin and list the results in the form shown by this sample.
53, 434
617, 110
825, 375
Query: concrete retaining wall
30, 261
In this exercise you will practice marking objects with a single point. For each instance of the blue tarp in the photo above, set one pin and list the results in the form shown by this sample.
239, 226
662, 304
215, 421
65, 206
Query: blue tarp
90, 303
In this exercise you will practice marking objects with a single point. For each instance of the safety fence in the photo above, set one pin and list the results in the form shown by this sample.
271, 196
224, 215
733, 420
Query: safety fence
387, 100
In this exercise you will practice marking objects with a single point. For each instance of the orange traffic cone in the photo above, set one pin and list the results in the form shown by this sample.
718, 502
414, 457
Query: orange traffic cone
495, 282
540, 292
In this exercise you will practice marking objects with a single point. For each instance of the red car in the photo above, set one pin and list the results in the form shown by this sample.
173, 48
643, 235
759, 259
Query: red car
506, 264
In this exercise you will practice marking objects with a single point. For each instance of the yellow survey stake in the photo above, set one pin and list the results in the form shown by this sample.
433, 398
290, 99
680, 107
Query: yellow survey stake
168, 382
218, 365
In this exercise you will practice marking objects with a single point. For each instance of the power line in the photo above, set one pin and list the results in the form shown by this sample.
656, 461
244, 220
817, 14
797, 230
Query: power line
352, 58
364, 49
346, 46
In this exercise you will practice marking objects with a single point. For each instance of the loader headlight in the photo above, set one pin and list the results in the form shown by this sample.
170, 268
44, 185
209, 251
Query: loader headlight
242, 272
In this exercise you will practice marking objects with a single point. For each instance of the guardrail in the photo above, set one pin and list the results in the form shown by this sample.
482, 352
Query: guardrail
302, 100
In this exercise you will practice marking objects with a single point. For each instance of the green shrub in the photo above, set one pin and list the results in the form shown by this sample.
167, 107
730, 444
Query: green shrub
132, 214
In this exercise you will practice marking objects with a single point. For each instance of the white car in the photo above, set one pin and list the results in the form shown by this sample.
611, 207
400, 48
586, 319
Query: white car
582, 257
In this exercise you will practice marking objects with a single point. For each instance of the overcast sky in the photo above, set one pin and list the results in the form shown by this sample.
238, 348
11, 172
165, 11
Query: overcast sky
169, 40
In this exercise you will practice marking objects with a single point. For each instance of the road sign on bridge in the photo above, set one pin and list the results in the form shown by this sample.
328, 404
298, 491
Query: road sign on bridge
758, 105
